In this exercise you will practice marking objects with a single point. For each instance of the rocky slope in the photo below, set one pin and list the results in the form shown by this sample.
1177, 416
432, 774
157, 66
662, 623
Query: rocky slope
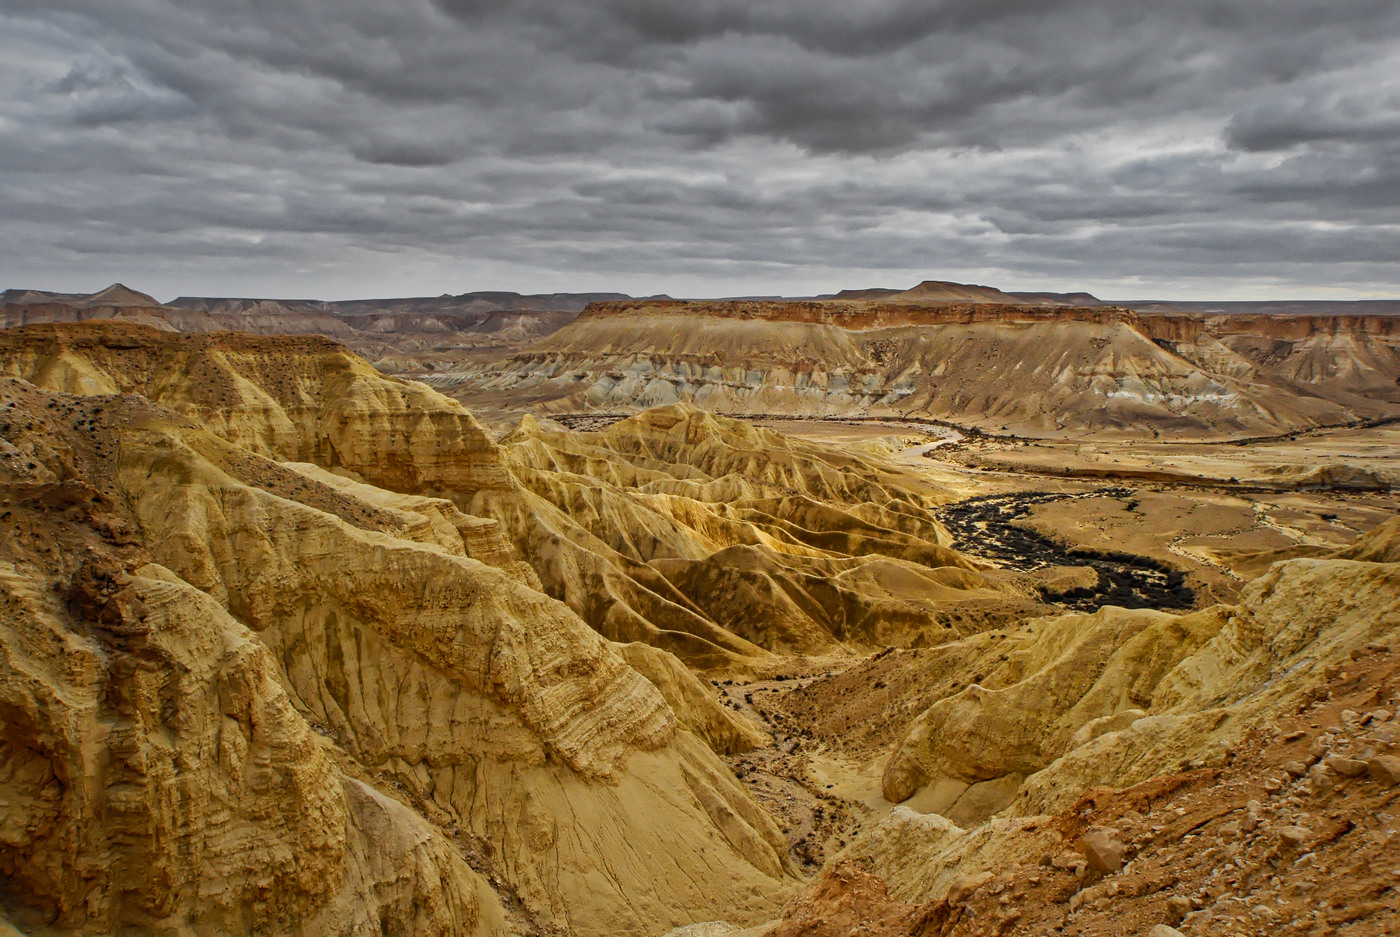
1242, 775
243, 691
1033, 369
288, 644
728, 545
704, 537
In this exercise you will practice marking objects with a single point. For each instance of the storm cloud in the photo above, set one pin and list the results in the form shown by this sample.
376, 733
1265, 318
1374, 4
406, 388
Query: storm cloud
339, 148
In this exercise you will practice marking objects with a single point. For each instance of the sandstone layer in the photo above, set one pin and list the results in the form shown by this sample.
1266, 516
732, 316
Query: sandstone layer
1031, 369
728, 544
291, 645
262, 668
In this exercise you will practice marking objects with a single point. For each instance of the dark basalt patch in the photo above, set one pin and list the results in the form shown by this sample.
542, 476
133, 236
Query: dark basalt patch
983, 527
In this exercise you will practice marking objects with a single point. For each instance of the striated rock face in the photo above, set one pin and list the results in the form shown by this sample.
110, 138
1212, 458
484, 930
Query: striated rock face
409, 334
726, 544
1245, 784
157, 776
910, 308
1029, 369
302, 398
1042, 687
243, 693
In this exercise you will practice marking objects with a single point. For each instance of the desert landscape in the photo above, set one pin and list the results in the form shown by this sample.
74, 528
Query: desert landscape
941, 611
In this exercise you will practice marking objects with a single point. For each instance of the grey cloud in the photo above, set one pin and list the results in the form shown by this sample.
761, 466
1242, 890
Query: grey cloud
1281, 125
754, 146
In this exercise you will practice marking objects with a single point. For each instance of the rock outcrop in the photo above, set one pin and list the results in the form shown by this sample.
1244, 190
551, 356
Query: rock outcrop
1120, 696
725, 543
704, 537
1281, 831
1032, 369
242, 691
409, 334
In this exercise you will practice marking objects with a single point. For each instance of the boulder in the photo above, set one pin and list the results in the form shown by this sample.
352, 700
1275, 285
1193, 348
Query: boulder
1102, 849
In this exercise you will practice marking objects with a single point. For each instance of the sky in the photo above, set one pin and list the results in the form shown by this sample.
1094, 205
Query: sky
1188, 149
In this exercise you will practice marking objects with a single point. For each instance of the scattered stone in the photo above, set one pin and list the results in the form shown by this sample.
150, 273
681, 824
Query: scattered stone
1177, 909
1346, 767
963, 886
1100, 846
1295, 769
1384, 768
1292, 837
1162, 930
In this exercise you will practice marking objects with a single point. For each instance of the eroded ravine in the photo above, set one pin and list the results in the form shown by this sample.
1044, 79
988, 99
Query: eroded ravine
816, 823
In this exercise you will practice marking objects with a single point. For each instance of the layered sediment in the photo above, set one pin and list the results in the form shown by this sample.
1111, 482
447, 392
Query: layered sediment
1038, 370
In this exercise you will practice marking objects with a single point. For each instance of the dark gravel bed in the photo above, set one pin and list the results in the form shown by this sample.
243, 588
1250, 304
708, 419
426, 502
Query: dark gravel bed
983, 527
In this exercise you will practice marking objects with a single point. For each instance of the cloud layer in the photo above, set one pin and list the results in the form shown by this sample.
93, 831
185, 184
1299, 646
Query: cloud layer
349, 147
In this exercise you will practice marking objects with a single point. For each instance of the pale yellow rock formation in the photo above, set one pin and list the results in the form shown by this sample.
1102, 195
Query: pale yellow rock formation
707, 538
1042, 685
695, 706
919, 855
459, 707
293, 398
719, 541
490, 704
1119, 696
158, 777
1292, 623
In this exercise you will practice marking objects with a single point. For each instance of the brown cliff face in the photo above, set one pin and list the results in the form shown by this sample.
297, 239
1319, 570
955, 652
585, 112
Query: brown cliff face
410, 334
859, 315
1038, 370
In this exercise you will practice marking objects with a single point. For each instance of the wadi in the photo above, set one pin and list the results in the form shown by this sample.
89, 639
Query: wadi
939, 611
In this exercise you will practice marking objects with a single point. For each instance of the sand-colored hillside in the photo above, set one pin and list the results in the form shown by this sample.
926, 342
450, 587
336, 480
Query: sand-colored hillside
720, 541
290, 645
1234, 770
704, 537
326, 675
1038, 370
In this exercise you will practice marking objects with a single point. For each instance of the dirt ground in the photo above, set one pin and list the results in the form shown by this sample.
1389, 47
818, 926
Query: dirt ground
1358, 458
817, 821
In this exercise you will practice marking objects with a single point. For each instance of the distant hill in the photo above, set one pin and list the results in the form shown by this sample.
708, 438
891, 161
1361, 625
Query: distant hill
412, 334
946, 291
115, 295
